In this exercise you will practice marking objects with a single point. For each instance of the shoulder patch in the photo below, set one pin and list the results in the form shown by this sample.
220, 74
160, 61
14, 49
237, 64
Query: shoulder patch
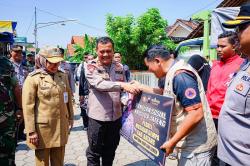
190, 93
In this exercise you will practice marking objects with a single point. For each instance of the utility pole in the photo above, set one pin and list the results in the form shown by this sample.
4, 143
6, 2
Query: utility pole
45, 24
35, 32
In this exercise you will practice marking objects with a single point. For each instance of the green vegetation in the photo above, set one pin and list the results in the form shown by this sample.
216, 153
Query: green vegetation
89, 47
132, 35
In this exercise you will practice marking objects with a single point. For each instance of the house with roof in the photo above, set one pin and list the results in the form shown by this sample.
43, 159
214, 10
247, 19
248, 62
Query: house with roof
74, 40
181, 29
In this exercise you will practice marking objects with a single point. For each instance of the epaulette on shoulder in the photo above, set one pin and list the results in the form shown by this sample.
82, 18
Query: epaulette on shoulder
35, 72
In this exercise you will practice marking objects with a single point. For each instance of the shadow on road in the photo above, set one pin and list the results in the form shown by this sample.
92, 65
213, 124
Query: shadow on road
69, 164
22, 146
145, 162
78, 128
77, 117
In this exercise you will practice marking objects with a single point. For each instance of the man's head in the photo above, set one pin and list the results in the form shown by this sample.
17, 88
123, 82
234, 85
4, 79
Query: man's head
30, 58
105, 50
242, 25
118, 57
157, 59
16, 53
90, 58
227, 43
85, 56
61, 51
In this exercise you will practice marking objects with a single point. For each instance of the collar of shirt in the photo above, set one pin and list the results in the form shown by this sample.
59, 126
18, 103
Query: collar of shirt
228, 60
245, 65
16, 64
174, 62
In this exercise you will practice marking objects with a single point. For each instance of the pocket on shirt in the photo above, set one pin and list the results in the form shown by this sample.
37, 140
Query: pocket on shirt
45, 90
239, 99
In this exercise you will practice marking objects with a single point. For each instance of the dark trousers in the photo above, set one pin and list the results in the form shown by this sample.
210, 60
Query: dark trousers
20, 134
85, 117
103, 138
215, 159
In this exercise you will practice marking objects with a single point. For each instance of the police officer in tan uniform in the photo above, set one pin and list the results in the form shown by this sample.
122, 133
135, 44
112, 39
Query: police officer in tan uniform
47, 107
106, 80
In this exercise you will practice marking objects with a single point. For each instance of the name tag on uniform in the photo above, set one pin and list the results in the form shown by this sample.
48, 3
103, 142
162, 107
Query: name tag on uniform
65, 97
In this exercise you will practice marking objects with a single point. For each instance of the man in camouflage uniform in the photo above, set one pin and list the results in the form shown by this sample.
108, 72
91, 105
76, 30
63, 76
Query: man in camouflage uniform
9, 92
30, 64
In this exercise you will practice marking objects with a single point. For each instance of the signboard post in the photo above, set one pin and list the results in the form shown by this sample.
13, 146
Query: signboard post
146, 124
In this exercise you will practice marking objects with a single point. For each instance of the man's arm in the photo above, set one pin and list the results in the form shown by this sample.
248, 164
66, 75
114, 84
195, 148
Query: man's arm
70, 103
28, 101
146, 88
194, 116
186, 90
18, 94
95, 80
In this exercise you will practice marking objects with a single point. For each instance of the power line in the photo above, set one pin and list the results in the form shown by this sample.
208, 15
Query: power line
77, 22
202, 8
30, 24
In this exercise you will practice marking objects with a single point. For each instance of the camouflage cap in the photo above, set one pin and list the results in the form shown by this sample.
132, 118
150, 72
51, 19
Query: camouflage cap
16, 48
51, 53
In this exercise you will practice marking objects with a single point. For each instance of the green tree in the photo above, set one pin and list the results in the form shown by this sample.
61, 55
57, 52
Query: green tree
132, 36
89, 47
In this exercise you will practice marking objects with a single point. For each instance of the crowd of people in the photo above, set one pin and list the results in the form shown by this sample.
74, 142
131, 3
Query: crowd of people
210, 123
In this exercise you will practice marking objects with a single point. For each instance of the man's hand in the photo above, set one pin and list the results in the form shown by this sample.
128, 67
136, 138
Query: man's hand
33, 138
71, 123
128, 87
136, 83
19, 116
168, 147
81, 99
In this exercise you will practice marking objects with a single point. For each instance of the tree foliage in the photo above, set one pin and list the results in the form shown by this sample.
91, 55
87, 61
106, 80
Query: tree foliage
132, 35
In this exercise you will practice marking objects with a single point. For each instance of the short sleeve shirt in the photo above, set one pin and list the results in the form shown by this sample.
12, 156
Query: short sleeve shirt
186, 88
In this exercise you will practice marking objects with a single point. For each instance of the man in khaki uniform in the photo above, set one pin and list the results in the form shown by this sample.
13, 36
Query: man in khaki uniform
106, 80
47, 107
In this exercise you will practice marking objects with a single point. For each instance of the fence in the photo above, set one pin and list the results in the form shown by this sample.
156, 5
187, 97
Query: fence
145, 78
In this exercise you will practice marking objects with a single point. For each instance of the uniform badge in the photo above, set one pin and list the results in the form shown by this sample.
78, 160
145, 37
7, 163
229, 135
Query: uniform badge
190, 93
239, 87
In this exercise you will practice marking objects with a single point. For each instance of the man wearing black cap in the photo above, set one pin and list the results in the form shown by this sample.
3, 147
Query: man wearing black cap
234, 118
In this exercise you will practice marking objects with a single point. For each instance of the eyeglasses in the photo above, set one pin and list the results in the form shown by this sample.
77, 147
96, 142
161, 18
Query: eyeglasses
241, 27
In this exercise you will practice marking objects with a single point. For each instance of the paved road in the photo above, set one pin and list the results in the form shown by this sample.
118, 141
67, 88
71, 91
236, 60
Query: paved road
126, 154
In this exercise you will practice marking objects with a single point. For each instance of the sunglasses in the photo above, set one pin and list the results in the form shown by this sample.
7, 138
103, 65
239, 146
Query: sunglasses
242, 27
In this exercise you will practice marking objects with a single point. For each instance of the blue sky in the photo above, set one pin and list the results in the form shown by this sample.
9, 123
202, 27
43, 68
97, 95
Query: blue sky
91, 15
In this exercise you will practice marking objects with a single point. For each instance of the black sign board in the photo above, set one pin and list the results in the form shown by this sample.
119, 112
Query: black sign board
146, 124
